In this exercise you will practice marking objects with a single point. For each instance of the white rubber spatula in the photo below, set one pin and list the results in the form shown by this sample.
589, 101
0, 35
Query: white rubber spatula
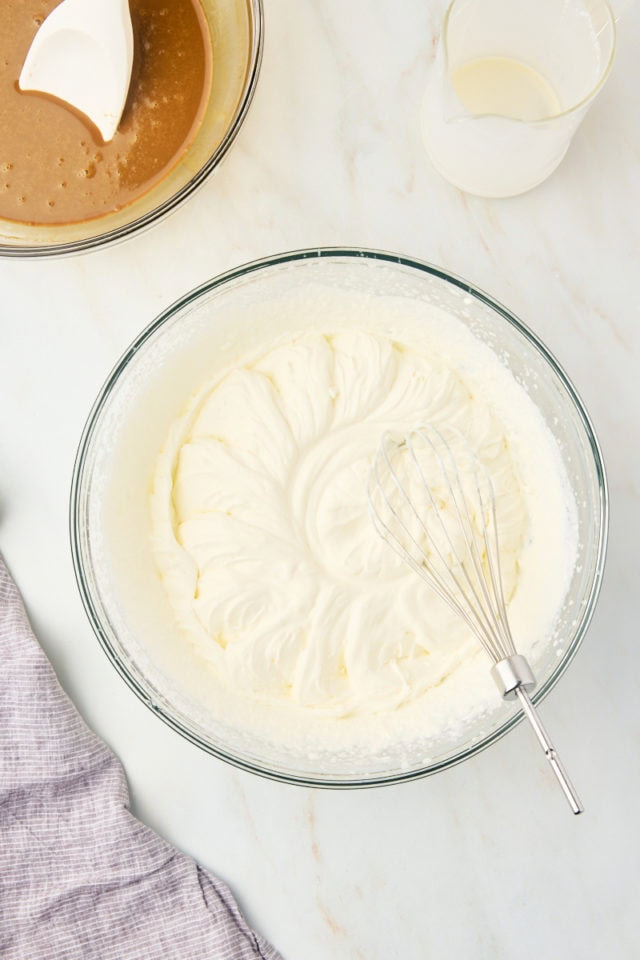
83, 54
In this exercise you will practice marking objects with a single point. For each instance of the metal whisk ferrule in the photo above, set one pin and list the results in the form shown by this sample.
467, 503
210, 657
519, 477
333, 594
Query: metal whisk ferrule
433, 501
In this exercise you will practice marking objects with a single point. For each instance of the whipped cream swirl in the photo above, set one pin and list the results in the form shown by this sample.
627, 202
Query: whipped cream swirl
263, 538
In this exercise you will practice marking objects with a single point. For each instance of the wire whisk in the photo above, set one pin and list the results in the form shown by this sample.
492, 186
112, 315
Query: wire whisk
433, 501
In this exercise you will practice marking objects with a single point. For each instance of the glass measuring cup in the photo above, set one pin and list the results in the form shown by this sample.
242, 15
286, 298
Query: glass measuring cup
511, 83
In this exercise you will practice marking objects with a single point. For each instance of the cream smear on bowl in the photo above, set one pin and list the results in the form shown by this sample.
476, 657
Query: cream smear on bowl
304, 628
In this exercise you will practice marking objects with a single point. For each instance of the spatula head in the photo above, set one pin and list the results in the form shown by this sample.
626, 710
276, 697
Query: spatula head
83, 54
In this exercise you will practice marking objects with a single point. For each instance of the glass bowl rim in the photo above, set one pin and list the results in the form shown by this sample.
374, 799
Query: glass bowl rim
118, 234
77, 488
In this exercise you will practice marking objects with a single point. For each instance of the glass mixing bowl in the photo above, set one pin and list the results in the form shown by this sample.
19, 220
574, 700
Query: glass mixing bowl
236, 29
148, 389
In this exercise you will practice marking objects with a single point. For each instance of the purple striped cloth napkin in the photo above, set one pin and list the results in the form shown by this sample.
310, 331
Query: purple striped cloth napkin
80, 877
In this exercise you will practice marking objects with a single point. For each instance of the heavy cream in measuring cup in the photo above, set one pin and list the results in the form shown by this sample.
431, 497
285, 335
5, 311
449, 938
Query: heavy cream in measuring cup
511, 82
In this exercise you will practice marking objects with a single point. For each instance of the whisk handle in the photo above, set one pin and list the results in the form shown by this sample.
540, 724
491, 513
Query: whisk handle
545, 742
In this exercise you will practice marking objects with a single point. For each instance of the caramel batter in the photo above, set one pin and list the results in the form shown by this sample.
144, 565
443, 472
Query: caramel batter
54, 166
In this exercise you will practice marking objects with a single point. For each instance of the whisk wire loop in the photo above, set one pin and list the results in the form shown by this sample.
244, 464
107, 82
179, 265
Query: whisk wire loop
403, 540
459, 577
483, 588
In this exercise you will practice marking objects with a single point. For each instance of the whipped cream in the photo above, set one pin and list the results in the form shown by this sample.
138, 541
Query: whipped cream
263, 541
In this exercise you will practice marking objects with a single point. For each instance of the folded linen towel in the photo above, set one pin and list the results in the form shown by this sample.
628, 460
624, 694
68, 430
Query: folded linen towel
80, 877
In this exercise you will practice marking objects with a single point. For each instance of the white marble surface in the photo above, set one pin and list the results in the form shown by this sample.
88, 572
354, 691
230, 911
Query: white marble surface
484, 861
